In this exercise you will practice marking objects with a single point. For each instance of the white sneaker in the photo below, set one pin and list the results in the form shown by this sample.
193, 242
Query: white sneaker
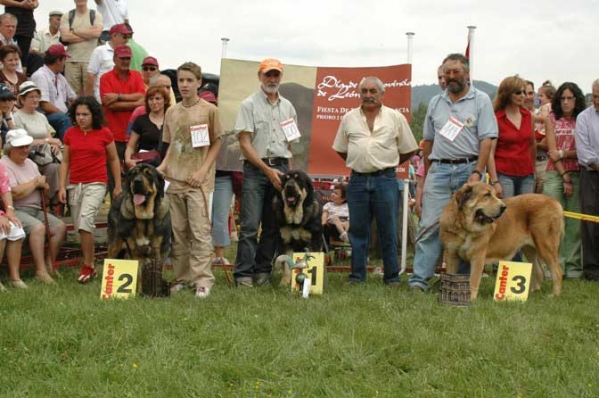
202, 292
177, 287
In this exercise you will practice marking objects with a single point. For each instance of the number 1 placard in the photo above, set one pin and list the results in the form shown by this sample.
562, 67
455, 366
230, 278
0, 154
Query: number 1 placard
315, 271
513, 281
119, 278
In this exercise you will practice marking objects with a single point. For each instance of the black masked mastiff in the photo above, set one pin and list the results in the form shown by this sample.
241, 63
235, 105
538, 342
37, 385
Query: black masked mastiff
298, 217
480, 228
139, 223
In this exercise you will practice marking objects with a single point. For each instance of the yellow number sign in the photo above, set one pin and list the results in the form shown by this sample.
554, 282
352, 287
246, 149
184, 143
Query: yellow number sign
513, 281
315, 271
119, 278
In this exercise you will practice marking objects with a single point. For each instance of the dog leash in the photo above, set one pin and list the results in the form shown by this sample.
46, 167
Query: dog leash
201, 190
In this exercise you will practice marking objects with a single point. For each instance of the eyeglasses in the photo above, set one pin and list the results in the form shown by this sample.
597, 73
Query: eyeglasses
34, 97
126, 37
519, 92
567, 98
147, 68
22, 147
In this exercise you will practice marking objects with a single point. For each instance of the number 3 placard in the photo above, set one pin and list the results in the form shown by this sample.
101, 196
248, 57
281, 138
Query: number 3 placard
119, 278
513, 281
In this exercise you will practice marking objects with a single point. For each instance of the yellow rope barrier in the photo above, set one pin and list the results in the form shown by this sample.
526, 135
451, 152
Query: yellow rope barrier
583, 217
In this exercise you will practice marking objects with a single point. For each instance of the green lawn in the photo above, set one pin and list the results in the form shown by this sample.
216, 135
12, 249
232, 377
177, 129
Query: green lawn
355, 341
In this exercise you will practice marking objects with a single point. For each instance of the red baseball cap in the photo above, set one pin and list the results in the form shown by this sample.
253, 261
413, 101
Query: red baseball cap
120, 28
207, 96
123, 51
150, 61
58, 50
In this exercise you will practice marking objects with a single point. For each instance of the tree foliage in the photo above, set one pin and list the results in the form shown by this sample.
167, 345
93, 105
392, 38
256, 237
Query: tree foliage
417, 121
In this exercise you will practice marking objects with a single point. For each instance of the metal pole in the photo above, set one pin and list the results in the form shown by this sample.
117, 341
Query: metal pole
471, 52
225, 41
410, 36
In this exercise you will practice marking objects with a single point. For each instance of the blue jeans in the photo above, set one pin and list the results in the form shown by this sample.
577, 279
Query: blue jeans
257, 194
377, 196
221, 205
441, 182
60, 122
513, 186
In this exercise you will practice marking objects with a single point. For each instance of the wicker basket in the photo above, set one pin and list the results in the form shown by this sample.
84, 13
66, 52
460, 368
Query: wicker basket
455, 289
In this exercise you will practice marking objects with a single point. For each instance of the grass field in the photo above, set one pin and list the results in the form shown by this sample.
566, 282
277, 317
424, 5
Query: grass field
354, 341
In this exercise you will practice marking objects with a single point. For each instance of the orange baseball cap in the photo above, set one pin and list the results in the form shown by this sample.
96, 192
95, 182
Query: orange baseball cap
270, 64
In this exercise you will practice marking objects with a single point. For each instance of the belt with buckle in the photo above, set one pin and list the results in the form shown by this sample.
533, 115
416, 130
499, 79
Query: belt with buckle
456, 161
375, 173
275, 161
541, 158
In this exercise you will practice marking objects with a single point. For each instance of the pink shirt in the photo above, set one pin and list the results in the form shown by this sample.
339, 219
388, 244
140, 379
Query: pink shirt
21, 175
564, 136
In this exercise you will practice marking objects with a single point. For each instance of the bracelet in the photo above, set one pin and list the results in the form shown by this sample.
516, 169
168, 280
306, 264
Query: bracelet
568, 182
561, 154
477, 172
8, 119
10, 207
494, 182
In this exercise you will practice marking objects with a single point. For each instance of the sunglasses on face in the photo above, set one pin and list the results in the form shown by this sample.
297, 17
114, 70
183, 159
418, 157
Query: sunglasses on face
149, 68
519, 92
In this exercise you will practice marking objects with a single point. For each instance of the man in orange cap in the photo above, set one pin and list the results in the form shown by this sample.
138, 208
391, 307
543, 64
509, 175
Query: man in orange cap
264, 144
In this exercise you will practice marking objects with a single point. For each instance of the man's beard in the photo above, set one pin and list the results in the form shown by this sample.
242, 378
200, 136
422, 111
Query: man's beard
456, 86
272, 88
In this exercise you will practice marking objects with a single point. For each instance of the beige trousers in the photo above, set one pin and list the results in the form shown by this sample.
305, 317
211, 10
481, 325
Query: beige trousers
192, 251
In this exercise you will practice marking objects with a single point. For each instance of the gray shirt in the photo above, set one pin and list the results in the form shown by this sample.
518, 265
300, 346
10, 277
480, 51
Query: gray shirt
587, 137
474, 110
262, 119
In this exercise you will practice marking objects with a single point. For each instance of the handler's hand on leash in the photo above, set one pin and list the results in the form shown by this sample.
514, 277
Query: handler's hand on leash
274, 176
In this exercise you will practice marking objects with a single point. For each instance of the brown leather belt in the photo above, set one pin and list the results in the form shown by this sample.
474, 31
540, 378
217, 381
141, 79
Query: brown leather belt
276, 161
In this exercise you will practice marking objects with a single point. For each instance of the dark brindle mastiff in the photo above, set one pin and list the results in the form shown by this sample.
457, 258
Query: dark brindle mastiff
139, 222
480, 228
298, 216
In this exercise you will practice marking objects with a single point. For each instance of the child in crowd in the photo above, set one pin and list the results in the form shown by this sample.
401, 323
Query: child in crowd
335, 214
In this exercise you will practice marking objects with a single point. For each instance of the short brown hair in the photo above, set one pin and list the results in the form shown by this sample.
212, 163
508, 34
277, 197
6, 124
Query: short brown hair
191, 67
152, 91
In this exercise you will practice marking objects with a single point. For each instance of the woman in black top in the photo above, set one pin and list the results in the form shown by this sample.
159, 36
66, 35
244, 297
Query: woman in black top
146, 133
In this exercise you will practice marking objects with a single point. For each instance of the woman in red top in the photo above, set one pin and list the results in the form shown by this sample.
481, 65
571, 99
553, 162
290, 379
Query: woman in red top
515, 148
87, 145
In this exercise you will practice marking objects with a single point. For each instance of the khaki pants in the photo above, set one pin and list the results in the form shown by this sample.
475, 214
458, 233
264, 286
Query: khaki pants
192, 251
540, 170
76, 74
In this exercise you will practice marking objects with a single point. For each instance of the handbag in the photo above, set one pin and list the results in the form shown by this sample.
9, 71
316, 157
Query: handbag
149, 157
43, 155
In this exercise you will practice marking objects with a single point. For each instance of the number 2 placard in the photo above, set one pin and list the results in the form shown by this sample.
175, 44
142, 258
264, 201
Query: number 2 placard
119, 278
513, 281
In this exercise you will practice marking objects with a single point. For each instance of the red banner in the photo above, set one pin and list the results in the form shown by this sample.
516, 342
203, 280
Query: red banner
321, 96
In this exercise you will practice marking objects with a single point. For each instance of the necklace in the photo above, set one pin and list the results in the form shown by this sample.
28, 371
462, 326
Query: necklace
189, 106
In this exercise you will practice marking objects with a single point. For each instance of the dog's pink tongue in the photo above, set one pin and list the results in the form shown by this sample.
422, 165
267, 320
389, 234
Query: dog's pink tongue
139, 199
